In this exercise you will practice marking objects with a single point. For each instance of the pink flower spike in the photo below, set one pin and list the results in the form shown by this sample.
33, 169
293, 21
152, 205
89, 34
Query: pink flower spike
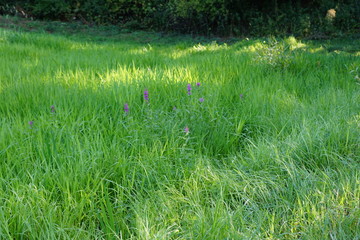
126, 108
146, 95
189, 89
186, 130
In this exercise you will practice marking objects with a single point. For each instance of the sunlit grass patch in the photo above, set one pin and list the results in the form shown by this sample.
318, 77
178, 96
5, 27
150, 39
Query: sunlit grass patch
184, 140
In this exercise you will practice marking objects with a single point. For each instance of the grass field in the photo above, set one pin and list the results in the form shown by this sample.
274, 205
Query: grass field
104, 138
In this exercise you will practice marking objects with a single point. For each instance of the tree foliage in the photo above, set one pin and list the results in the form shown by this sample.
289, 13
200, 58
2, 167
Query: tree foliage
221, 17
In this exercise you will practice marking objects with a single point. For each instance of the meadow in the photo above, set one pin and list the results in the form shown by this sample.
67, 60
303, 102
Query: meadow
142, 136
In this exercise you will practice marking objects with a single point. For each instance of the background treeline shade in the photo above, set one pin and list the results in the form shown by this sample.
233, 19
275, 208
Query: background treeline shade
220, 17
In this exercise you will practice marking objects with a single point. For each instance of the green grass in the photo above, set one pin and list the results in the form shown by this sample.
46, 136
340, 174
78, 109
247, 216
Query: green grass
281, 162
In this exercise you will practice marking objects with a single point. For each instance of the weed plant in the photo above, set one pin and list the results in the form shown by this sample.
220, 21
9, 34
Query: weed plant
125, 140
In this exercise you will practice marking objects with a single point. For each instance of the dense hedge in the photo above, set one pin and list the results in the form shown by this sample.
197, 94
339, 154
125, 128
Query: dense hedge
220, 17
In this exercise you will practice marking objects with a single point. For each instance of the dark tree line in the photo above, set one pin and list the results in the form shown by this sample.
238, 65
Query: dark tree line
220, 17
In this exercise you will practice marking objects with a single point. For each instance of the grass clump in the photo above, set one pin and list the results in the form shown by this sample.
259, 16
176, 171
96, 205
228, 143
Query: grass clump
248, 151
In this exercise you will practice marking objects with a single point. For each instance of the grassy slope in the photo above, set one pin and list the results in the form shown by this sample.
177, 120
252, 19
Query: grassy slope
282, 162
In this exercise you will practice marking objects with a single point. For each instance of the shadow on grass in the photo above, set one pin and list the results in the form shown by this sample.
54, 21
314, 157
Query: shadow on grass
77, 31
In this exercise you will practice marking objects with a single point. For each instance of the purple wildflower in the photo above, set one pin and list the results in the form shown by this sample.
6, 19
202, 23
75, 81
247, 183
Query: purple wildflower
241, 96
201, 99
189, 89
126, 108
186, 130
146, 95
52, 108
31, 123
174, 108
198, 84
